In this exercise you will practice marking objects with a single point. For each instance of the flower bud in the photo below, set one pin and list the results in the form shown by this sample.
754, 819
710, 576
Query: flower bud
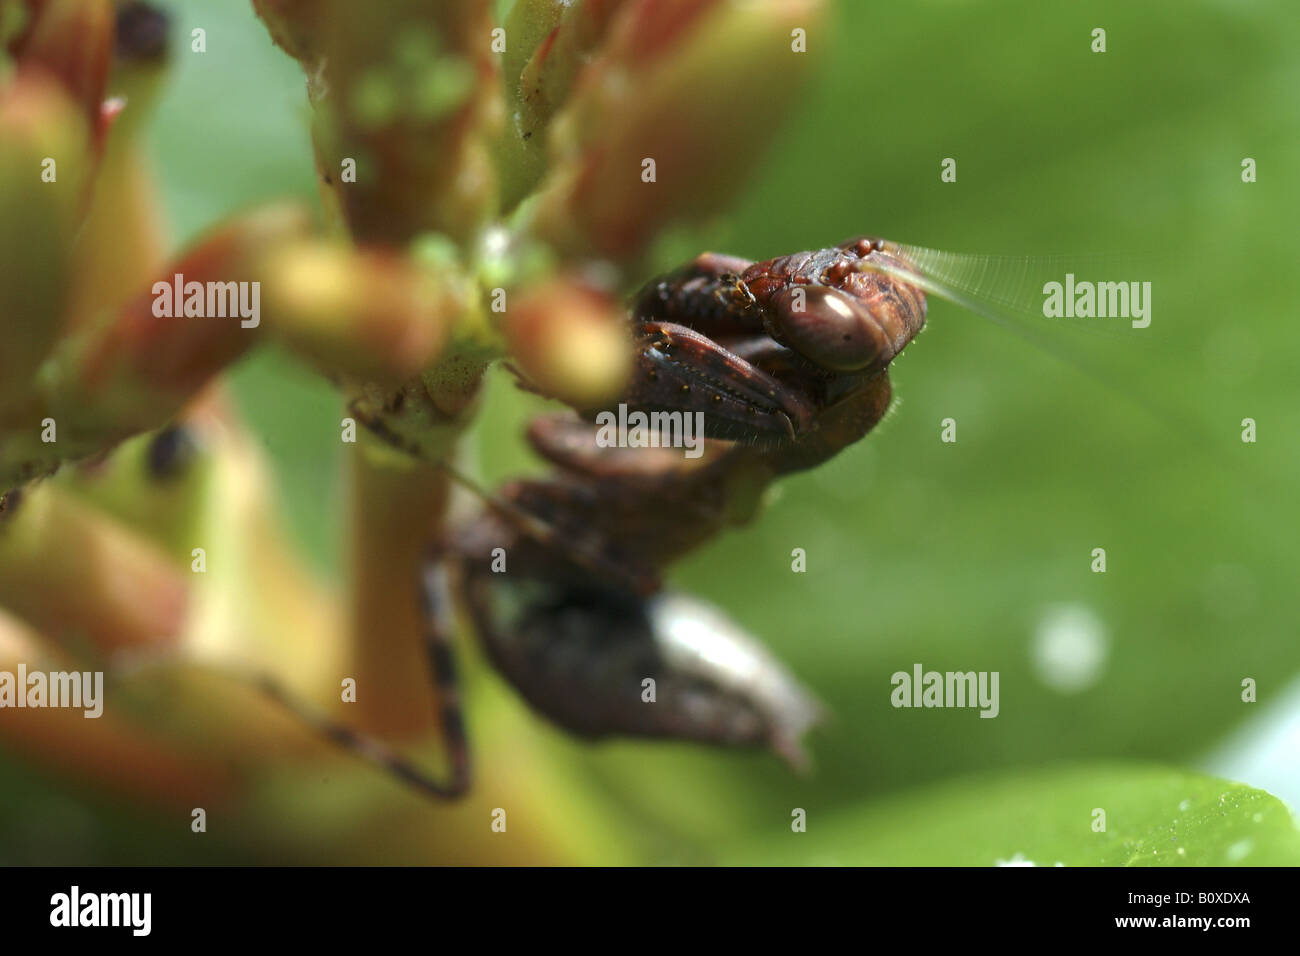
369, 313
571, 341
44, 160
548, 43
134, 372
662, 126
112, 751
71, 41
412, 96
75, 574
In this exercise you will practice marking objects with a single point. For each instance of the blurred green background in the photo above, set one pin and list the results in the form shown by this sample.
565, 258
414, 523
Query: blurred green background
967, 556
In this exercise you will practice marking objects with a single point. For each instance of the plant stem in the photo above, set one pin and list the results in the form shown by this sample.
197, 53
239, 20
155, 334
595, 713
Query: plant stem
397, 506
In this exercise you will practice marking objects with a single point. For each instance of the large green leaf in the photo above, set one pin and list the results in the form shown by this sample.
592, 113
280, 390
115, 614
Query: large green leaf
1154, 816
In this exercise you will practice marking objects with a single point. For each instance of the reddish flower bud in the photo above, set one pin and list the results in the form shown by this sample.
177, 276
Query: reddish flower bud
163, 345
571, 341
71, 41
665, 122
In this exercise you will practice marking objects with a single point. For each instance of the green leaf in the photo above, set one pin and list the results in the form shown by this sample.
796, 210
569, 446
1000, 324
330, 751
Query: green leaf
1154, 816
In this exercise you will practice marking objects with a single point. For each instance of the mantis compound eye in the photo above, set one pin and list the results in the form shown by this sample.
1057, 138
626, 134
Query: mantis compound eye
829, 328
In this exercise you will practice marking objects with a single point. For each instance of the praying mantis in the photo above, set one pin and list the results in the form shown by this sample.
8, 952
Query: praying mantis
562, 577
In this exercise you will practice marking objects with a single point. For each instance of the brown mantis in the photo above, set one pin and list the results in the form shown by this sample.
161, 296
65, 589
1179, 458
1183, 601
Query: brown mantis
787, 362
